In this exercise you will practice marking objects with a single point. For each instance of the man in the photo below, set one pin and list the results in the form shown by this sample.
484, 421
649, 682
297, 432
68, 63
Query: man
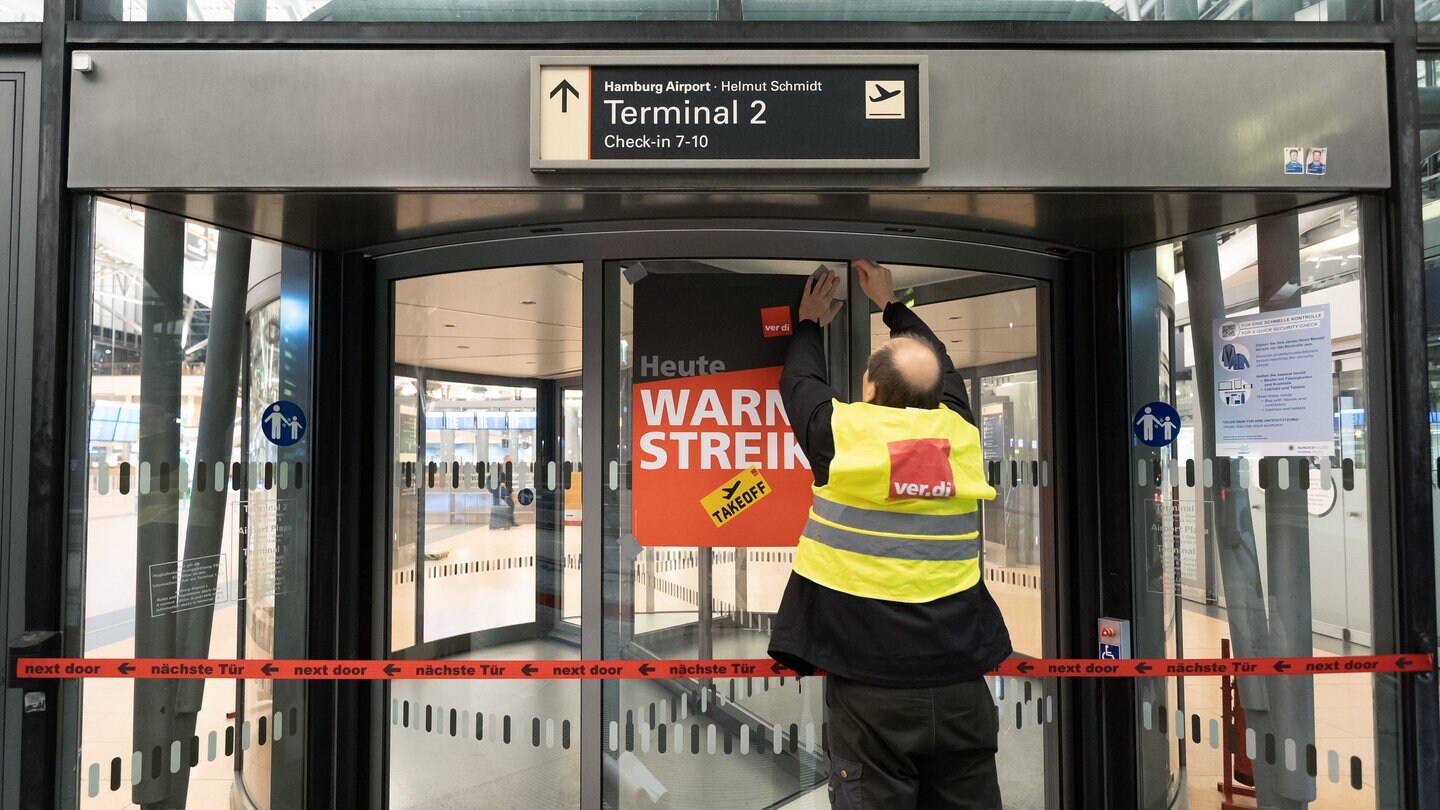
1292, 162
1317, 162
886, 596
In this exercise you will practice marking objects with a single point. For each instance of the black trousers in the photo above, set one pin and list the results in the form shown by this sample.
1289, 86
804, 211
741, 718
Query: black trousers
929, 748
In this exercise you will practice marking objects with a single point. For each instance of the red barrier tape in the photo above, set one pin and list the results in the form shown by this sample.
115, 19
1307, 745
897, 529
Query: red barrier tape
317, 670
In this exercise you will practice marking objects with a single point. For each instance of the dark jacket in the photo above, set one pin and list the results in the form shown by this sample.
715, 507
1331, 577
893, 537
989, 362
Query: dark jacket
948, 640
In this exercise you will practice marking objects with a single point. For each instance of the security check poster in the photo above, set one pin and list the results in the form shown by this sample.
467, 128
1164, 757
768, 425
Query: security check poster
1273, 384
714, 462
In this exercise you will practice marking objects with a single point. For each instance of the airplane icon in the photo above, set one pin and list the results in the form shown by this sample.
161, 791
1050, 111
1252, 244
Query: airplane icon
885, 94
730, 490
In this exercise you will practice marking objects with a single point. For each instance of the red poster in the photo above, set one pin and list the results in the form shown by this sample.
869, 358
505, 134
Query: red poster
713, 459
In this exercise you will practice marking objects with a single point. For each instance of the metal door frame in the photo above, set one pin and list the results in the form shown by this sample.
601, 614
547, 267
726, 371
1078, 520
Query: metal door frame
600, 245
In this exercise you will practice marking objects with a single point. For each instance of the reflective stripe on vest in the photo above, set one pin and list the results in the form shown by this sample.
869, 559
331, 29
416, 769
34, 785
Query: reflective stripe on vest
900, 548
896, 522
868, 535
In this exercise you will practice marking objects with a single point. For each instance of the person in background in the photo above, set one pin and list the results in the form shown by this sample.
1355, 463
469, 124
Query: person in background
502, 497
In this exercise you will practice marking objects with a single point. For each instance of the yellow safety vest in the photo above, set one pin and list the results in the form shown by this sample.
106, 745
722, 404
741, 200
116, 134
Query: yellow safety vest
898, 519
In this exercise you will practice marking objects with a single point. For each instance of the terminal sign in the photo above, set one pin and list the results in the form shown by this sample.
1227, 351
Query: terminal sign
844, 115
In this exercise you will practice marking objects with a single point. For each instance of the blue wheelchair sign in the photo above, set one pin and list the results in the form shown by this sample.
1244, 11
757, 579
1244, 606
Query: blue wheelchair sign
283, 423
1157, 424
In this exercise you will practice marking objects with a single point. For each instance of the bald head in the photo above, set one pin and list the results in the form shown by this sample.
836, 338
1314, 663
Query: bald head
904, 373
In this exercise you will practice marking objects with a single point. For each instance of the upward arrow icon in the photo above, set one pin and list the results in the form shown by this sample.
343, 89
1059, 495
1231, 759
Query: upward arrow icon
565, 89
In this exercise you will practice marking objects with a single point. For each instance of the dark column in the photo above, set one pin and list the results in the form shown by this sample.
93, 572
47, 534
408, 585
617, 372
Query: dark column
1287, 534
1233, 532
1403, 568
549, 508
1154, 755
158, 526
205, 528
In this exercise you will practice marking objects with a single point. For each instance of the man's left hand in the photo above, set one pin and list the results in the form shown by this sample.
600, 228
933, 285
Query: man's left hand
818, 303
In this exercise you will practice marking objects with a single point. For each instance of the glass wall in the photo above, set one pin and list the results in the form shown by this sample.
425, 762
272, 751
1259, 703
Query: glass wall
196, 512
1428, 81
485, 527
1064, 10
751, 10
22, 11
1252, 528
394, 10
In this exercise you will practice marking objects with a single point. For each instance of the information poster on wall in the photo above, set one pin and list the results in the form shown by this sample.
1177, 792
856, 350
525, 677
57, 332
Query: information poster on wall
714, 462
1273, 384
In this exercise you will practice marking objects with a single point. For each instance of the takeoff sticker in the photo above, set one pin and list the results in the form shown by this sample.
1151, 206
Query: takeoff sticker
705, 409
735, 496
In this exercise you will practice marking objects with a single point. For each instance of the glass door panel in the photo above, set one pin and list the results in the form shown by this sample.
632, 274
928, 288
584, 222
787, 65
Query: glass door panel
702, 742
1253, 536
484, 539
993, 331
196, 527
759, 742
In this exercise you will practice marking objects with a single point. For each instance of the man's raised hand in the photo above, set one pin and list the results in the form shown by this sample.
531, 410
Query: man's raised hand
818, 302
875, 281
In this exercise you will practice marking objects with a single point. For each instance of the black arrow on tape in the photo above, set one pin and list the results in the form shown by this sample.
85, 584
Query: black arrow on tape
1281, 666
1024, 667
1143, 667
269, 669
646, 669
1403, 663
126, 668
391, 669
528, 670
565, 88
776, 667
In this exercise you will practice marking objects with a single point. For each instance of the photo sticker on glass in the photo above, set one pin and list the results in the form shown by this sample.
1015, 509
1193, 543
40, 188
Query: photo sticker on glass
1315, 164
1292, 160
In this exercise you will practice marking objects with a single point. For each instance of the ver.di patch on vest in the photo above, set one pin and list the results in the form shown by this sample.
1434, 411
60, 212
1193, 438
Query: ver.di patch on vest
920, 468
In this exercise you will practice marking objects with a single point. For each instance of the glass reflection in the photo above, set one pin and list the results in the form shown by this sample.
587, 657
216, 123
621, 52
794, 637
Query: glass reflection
1260, 553
485, 526
196, 530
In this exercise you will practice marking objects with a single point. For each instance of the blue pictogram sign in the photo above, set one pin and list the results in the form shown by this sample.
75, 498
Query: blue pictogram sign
1157, 424
283, 423
525, 496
